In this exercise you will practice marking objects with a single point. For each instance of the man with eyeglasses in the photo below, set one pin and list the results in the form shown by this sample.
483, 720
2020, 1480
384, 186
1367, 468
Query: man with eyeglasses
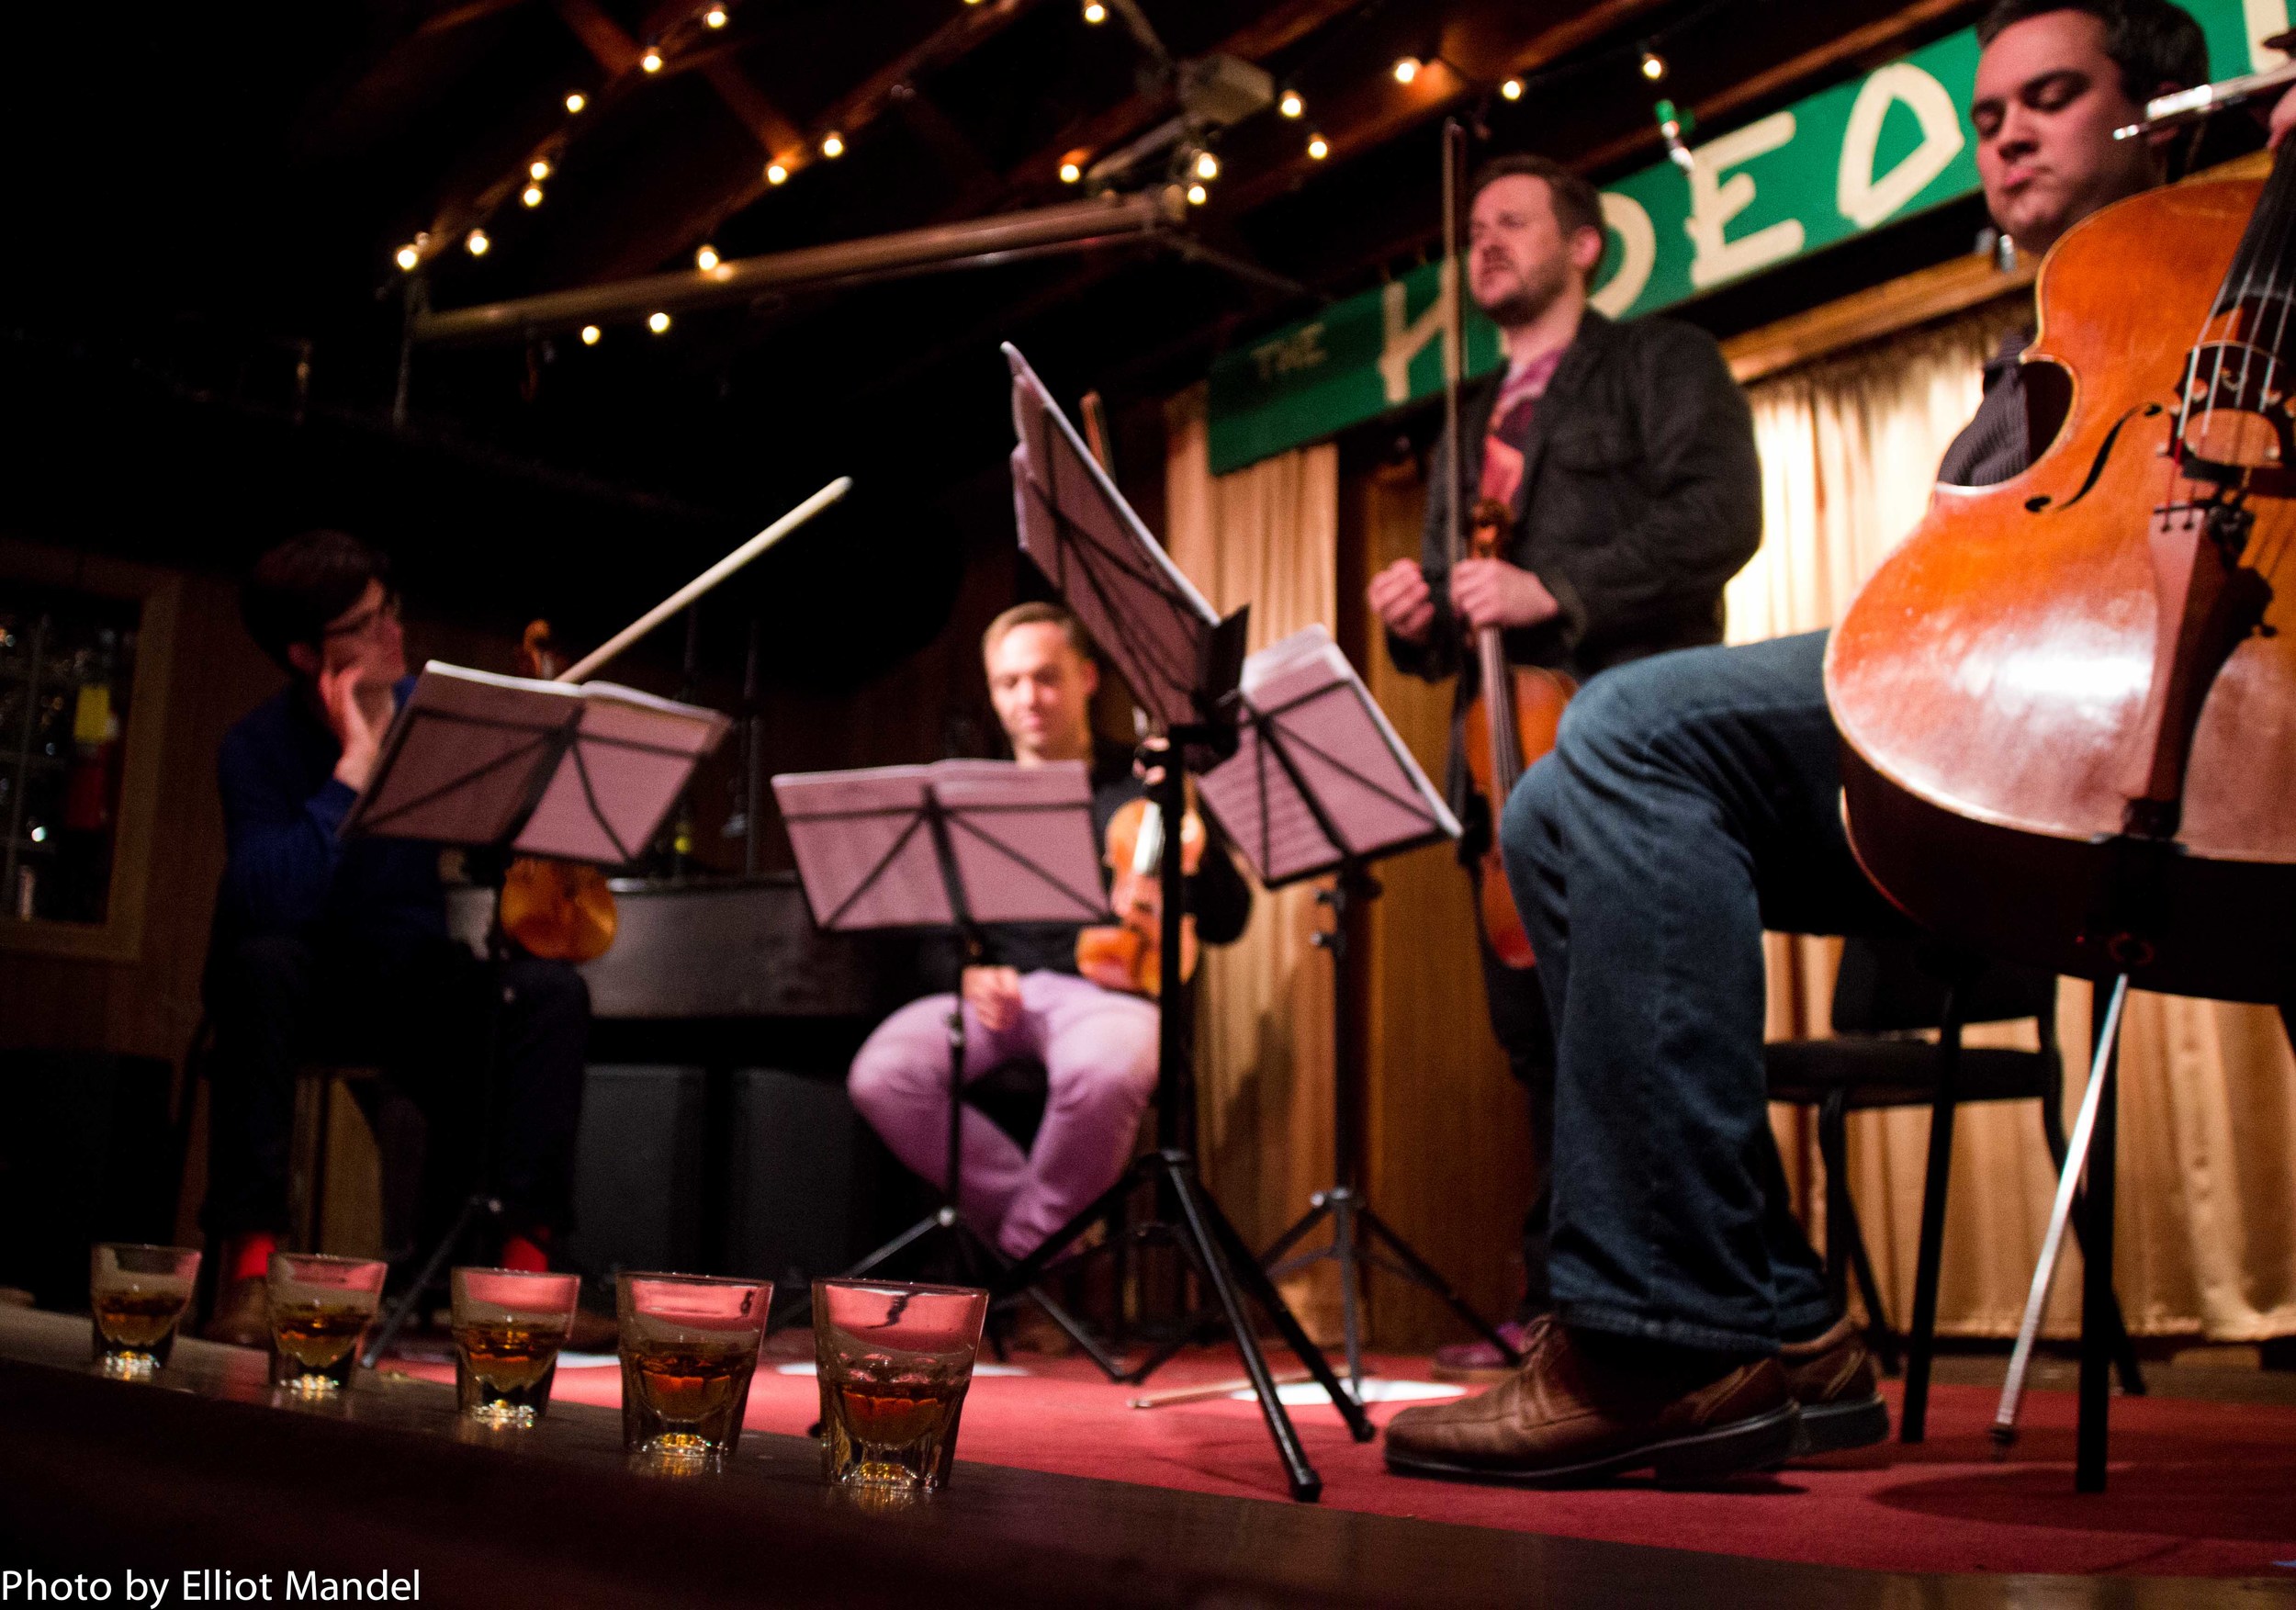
338, 952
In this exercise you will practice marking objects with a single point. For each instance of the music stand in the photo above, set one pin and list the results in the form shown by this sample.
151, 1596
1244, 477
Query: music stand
1182, 663
945, 848
1321, 784
520, 767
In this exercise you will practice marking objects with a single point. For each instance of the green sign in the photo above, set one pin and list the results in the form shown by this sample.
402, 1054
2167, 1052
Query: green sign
1855, 157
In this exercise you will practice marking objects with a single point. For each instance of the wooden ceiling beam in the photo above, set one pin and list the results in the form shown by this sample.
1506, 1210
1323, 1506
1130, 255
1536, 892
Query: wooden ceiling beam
851, 113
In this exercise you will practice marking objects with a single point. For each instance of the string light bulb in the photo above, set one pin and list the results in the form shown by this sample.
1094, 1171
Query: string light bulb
705, 259
832, 145
1207, 165
575, 101
651, 61
1198, 195
1653, 65
1095, 12
406, 257
714, 18
1511, 90
475, 243
591, 333
658, 322
1318, 147
1071, 172
775, 174
538, 169
531, 195
1406, 68
1291, 106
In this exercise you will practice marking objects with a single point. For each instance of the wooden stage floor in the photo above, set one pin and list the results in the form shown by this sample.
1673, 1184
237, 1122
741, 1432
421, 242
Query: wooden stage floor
208, 1468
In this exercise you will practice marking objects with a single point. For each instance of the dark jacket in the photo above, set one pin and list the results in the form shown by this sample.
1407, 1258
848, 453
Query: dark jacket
1641, 497
286, 870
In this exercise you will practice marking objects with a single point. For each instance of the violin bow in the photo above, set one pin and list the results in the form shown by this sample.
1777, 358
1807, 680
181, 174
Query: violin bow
592, 664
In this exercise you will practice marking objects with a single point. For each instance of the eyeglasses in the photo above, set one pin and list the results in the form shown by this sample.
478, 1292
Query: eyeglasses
387, 610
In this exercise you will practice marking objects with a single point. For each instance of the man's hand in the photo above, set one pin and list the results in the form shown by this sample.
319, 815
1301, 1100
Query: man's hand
994, 994
1492, 592
359, 734
1399, 596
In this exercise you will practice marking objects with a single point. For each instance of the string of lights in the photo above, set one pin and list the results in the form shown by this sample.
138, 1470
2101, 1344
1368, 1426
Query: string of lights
1195, 166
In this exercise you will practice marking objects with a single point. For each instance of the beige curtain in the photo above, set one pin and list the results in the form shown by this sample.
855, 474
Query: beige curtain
1849, 450
1266, 535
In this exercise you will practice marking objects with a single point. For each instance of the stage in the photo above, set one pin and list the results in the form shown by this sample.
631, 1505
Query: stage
1069, 1496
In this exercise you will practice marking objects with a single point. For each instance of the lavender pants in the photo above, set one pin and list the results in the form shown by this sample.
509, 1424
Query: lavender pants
1099, 1049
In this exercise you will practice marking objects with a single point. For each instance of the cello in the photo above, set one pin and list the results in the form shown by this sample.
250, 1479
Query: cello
2067, 703
1511, 717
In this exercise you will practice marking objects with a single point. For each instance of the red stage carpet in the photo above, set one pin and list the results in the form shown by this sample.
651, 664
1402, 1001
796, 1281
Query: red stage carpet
2198, 1488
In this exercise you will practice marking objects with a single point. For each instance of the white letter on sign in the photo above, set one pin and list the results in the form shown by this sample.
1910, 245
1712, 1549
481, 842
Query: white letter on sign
1865, 201
1713, 203
1404, 336
1638, 249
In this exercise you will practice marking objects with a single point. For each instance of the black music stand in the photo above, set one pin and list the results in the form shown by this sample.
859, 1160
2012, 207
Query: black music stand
1321, 785
1181, 661
945, 848
513, 766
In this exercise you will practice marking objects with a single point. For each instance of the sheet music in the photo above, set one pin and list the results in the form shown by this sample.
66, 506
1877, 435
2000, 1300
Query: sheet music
1306, 703
1021, 837
592, 771
1141, 610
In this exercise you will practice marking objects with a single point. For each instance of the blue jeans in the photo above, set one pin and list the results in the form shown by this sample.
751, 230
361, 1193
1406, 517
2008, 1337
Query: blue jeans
1691, 800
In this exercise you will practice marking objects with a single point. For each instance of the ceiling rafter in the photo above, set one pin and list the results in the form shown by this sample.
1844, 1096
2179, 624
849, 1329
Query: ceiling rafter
850, 114
669, 25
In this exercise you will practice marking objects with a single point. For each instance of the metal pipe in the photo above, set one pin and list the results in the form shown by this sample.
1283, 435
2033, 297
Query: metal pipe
742, 279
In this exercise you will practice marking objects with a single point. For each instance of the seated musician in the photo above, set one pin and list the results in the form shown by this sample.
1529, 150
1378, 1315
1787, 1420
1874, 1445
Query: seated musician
1692, 799
1624, 455
341, 950
1025, 999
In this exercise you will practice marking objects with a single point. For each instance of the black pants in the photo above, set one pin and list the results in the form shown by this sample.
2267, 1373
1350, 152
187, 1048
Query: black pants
1519, 1020
425, 1014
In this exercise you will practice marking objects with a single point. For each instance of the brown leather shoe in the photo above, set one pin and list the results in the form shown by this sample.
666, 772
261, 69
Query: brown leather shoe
242, 1315
1833, 1378
1579, 1411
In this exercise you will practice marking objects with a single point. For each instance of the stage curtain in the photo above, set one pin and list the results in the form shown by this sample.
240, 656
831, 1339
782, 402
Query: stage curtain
1849, 449
1266, 535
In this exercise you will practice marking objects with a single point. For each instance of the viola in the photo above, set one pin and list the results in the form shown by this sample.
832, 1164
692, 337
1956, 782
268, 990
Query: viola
1509, 723
2067, 703
1129, 953
560, 911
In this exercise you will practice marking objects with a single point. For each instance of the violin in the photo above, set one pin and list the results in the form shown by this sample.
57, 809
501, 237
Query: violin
2067, 703
1516, 710
560, 911
1127, 955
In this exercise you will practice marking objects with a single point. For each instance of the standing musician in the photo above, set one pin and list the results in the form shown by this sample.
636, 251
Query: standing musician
1624, 458
1692, 799
342, 949
1024, 998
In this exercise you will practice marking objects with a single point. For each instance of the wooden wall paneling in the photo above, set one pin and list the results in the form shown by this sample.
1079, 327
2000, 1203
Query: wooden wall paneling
1447, 1144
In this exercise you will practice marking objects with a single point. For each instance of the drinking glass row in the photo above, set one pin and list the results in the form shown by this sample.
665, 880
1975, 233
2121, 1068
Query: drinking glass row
893, 1361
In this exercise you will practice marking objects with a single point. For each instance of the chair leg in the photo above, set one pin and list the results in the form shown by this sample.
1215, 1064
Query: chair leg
1880, 1335
1833, 1149
2117, 1338
1920, 1345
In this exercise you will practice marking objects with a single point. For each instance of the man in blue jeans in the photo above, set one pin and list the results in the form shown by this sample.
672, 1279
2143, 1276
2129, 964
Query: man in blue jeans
1691, 801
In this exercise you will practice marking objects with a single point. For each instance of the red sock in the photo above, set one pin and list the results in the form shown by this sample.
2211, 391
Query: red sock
521, 1253
248, 1257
